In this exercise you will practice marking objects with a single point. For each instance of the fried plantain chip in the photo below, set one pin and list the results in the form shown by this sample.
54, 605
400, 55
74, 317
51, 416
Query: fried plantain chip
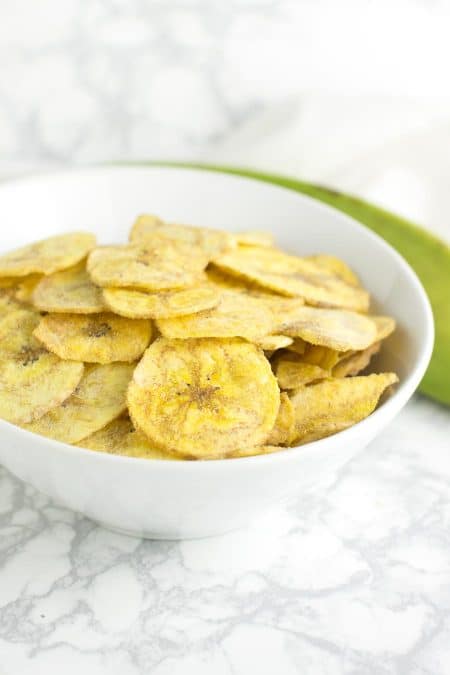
253, 238
25, 287
292, 373
324, 357
355, 361
211, 242
256, 450
293, 276
335, 266
283, 432
337, 329
97, 338
152, 266
203, 398
271, 343
385, 325
69, 291
236, 315
99, 398
48, 255
32, 381
297, 346
162, 305
330, 406
119, 437
8, 301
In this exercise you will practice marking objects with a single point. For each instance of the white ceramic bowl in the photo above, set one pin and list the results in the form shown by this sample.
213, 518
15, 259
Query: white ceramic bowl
173, 500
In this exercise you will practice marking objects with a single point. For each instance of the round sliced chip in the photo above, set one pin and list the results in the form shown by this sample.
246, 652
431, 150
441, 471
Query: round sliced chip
330, 406
25, 287
256, 450
292, 374
69, 291
99, 398
119, 437
337, 329
324, 357
283, 432
98, 338
385, 325
297, 346
212, 242
153, 266
293, 276
270, 343
203, 398
236, 315
355, 361
162, 305
336, 266
48, 255
253, 238
32, 381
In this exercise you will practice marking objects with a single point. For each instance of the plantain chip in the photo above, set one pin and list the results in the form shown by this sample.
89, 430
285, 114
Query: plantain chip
96, 338
330, 406
25, 286
32, 380
256, 450
99, 398
119, 437
8, 301
254, 238
293, 276
203, 398
271, 343
211, 242
161, 305
385, 325
69, 291
283, 432
324, 357
152, 266
297, 346
335, 266
337, 329
355, 362
293, 373
236, 315
48, 255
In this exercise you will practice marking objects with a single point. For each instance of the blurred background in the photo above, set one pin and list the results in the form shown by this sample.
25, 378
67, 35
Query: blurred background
354, 93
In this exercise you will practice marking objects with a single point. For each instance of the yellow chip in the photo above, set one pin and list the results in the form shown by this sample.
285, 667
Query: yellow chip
8, 301
99, 338
283, 432
253, 238
270, 343
297, 346
119, 437
48, 255
330, 406
335, 266
293, 276
156, 266
256, 450
355, 361
69, 291
324, 357
236, 315
32, 381
25, 287
99, 398
212, 242
292, 374
336, 329
162, 305
204, 398
385, 325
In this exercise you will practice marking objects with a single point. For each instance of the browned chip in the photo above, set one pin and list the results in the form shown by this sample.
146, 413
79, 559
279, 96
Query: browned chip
69, 291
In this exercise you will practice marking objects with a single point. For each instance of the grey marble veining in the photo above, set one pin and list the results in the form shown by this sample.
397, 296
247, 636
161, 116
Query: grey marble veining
354, 581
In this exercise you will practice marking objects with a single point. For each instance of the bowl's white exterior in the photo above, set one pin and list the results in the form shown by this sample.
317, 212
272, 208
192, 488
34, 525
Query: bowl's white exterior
174, 500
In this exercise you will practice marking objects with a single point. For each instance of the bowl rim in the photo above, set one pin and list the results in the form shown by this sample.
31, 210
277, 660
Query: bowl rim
389, 407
